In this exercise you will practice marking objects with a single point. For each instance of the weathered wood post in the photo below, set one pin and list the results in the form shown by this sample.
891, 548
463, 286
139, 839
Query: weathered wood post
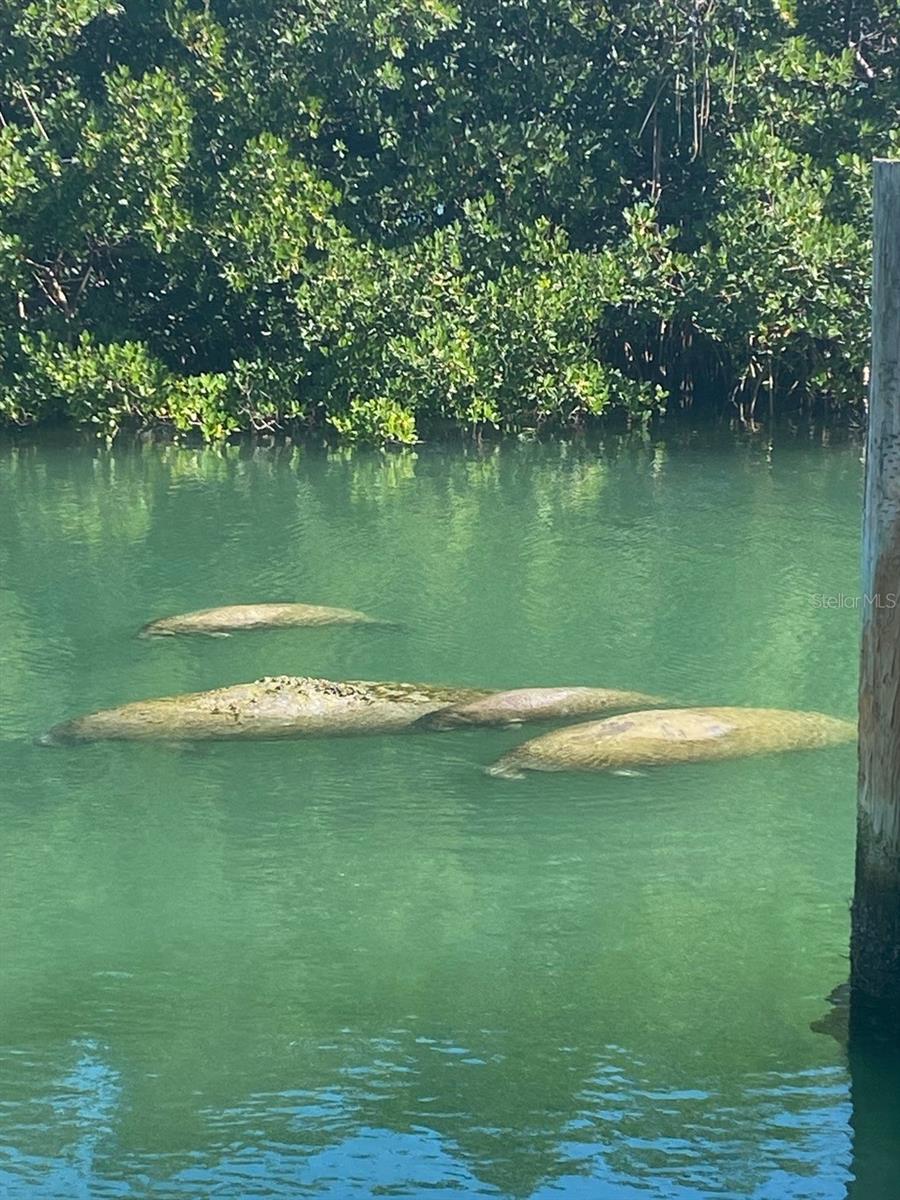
875, 939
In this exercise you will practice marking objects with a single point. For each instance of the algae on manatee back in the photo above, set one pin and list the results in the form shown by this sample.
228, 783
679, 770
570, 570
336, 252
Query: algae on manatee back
282, 706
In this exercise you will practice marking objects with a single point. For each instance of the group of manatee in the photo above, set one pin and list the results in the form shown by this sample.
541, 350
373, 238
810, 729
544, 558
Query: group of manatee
645, 733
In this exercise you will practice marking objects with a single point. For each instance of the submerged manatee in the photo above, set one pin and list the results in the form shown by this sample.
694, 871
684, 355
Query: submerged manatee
534, 704
675, 735
283, 706
222, 621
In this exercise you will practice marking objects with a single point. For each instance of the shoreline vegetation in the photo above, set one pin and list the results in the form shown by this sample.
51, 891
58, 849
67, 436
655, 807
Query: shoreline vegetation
606, 436
367, 222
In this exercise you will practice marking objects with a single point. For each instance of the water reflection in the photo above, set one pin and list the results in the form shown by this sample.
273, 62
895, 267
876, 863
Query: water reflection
237, 968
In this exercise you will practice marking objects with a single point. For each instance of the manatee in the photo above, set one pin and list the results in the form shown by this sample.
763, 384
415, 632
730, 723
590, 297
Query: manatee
219, 622
534, 704
675, 735
282, 706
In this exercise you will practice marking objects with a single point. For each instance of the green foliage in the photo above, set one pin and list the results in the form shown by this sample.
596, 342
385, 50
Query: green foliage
117, 384
239, 215
377, 420
271, 212
470, 326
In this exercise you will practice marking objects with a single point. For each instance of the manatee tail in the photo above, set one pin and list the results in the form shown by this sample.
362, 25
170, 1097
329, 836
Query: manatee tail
433, 722
504, 769
54, 737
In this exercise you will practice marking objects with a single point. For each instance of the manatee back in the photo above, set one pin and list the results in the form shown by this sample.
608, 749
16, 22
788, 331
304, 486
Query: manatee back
236, 617
516, 705
659, 737
272, 707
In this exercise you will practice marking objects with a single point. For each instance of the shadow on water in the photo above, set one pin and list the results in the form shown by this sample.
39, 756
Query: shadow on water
873, 1053
870, 1041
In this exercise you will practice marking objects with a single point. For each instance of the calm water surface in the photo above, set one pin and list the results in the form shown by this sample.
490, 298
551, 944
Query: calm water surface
360, 967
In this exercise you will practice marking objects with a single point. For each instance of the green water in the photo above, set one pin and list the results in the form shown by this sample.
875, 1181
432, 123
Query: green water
360, 967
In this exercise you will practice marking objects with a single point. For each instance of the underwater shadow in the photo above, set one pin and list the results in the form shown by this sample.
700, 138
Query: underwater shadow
871, 1041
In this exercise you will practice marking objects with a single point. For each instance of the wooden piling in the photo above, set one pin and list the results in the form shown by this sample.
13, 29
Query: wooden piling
875, 938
